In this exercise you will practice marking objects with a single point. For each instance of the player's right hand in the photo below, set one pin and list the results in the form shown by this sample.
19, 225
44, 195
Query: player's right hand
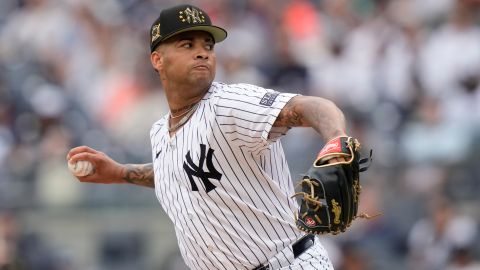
105, 169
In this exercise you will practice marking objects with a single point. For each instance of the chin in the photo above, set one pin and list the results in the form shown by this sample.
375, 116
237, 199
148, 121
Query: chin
203, 80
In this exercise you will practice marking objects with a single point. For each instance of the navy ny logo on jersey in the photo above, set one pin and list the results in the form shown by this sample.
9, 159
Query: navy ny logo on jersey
197, 170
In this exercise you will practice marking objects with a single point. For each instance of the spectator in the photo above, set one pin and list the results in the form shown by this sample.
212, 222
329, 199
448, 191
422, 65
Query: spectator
433, 239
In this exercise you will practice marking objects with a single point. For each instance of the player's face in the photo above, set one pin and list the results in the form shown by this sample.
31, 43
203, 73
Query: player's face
188, 58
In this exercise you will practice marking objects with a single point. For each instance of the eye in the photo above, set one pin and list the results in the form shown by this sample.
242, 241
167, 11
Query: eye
209, 47
187, 45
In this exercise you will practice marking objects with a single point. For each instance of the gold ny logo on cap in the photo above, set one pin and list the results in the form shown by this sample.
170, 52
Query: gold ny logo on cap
191, 16
155, 32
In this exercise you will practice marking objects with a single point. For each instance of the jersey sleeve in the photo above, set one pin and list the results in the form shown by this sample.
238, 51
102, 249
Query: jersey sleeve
246, 113
156, 136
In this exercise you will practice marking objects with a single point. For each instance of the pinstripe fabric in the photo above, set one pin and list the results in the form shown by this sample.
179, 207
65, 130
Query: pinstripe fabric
240, 214
314, 258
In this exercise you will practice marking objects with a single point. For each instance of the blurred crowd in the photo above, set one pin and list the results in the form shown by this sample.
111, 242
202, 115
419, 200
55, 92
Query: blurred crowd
406, 74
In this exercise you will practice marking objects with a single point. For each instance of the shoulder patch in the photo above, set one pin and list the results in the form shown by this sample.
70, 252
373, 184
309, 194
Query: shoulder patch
269, 98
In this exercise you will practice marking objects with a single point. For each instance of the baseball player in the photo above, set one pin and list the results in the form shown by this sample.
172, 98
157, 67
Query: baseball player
218, 169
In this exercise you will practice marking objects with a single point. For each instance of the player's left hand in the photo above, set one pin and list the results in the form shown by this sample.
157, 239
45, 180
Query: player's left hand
336, 160
331, 188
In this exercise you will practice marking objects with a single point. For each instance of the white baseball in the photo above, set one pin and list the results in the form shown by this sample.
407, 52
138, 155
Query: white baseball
81, 168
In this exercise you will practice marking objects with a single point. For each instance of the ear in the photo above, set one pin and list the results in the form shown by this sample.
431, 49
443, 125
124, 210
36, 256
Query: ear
156, 58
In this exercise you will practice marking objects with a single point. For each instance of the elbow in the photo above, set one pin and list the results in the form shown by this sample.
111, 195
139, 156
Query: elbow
331, 106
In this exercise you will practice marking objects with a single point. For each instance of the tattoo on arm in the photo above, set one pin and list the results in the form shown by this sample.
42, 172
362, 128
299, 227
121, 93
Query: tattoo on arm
140, 174
289, 116
318, 113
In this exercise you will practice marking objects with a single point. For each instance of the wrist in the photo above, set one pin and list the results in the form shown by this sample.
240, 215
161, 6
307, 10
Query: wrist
122, 173
335, 135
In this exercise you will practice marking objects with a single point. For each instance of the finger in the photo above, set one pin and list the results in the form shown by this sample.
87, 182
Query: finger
336, 160
80, 149
90, 178
333, 160
92, 157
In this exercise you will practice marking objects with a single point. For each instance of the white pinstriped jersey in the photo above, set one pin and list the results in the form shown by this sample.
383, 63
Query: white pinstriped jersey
224, 184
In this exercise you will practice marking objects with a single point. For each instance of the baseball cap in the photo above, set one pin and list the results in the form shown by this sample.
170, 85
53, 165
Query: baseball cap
182, 18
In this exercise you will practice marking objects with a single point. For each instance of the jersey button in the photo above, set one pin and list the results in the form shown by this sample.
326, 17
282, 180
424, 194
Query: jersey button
210, 248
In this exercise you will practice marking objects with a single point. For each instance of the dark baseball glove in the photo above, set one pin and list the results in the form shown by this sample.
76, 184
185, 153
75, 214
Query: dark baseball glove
331, 190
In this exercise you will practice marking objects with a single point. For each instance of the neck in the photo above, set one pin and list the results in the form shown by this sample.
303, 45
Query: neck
183, 102
182, 97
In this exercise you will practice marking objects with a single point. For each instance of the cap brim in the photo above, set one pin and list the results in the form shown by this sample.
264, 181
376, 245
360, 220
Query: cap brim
219, 34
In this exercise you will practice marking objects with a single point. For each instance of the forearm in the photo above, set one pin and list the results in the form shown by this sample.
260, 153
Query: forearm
318, 113
325, 117
139, 174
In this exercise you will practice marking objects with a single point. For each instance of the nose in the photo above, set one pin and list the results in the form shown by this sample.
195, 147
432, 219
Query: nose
201, 53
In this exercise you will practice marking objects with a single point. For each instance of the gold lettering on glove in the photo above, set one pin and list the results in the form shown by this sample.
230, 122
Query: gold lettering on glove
336, 210
357, 190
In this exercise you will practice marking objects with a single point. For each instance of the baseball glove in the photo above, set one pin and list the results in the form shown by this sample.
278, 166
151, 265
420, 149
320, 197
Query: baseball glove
330, 191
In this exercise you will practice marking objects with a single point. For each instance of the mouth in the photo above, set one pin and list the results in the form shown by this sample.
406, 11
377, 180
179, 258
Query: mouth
201, 67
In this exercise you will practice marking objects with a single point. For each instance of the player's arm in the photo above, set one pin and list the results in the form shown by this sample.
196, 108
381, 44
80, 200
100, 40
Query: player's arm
139, 174
108, 171
319, 113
